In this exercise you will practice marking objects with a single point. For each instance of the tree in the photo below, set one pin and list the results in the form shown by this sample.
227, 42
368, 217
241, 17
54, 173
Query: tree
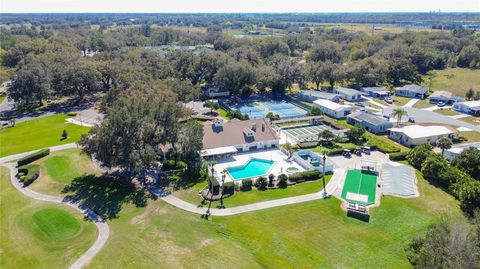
282, 181
326, 135
399, 113
190, 143
80, 79
469, 94
444, 143
469, 162
315, 73
137, 126
315, 111
419, 154
402, 70
356, 132
31, 83
64, 135
444, 246
469, 57
237, 77
326, 51
272, 116
236, 114
211, 104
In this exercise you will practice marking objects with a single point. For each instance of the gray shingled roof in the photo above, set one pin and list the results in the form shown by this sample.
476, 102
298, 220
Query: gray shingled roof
414, 88
367, 117
347, 91
319, 94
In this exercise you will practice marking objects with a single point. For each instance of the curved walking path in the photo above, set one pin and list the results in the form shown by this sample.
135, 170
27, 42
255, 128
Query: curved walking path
330, 188
102, 226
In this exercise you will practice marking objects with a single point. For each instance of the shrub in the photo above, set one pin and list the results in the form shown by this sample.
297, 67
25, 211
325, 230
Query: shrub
305, 176
29, 173
64, 135
246, 184
282, 181
307, 145
173, 165
271, 177
382, 146
228, 188
261, 183
419, 154
398, 156
336, 151
33, 157
72, 113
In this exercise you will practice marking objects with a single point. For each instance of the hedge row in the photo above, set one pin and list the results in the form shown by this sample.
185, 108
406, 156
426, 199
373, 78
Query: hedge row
29, 173
382, 146
307, 145
305, 176
33, 157
398, 156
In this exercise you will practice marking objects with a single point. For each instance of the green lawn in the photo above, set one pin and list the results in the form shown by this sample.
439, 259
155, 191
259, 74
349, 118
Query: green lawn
472, 136
315, 234
60, 168
221, 112
254, 196
2, 97
446, 112
455, 80
38, 234
423, 103
471, 120
397, 100
38, 133
328, 148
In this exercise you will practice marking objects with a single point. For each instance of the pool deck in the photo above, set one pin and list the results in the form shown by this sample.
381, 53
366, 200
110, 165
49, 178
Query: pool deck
280, 164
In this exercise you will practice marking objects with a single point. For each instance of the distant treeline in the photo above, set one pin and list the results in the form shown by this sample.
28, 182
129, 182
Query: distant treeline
279, 20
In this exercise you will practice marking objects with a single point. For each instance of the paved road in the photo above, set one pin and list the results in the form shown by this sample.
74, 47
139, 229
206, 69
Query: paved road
102, 226
425, 116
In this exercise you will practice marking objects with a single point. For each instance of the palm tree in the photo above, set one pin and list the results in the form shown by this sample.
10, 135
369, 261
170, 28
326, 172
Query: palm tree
444, 143
399, 113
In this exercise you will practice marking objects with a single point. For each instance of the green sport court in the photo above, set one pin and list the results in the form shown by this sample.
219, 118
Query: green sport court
360, 187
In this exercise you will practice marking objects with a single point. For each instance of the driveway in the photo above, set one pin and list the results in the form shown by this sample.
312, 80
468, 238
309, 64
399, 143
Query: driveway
354, 161
411, 102
425, 116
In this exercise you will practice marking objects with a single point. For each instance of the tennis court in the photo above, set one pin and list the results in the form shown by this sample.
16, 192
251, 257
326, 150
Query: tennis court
360, 187
259, 109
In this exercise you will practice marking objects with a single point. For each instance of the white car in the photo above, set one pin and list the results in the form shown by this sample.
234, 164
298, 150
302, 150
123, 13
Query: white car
389, 100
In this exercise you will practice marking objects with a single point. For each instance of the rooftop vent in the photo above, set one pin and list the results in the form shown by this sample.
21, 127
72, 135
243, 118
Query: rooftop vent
254, 127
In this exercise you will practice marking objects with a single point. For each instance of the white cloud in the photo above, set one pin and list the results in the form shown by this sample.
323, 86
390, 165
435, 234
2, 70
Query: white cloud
152, 6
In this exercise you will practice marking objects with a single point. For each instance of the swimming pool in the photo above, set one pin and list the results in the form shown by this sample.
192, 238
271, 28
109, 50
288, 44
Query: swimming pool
253, 168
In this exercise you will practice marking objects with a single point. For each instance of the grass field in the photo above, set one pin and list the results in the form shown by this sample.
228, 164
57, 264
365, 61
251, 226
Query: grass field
253, 196
38, 133
455, 80
2, 98
471, 120
315, 234
447, 112
37, 234
423, 103
60, 168
472, 136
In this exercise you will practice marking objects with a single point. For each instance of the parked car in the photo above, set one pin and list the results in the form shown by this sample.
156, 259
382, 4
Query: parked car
412, 120
360, 104
389, 100
441, 104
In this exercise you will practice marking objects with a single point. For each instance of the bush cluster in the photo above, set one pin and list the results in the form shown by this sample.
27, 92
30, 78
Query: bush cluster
228, 188
305, 176
72, 113
33, 157
398, 156
307, 145
382, 146
173, 165
29, 173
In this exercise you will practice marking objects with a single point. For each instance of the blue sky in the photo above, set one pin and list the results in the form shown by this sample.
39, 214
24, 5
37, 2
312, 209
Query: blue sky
7, 6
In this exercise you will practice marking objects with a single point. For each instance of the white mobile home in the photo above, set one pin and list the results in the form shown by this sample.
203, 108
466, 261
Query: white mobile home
333, 109
348, 94
469, 107
312, 95
414, 135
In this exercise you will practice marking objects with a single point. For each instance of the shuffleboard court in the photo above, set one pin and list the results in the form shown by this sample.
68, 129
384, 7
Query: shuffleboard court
360, 187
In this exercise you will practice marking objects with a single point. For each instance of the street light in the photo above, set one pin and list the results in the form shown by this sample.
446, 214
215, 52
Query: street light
323, 178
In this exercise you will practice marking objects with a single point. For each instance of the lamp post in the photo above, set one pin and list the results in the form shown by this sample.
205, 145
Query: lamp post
323, 178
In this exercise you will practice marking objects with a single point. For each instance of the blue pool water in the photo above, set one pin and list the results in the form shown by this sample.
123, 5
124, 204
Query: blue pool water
253, 168
259, 109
